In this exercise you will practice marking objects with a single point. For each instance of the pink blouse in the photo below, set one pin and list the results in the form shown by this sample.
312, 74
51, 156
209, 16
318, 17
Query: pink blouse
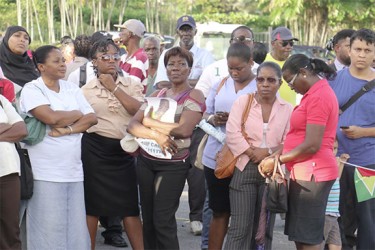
278, 127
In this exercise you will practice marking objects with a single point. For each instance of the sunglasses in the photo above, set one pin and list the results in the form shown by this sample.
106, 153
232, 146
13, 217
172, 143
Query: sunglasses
285, 43
242, 39
268, 79
106, 57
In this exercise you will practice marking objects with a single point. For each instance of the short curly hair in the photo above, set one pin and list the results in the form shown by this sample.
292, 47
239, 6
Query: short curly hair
82, 46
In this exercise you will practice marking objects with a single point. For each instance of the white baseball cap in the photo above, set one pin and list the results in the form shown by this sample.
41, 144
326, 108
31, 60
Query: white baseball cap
133, 25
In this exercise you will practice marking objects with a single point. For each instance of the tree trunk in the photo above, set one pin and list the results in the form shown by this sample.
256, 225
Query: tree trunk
108, 24
37, 21
19, 13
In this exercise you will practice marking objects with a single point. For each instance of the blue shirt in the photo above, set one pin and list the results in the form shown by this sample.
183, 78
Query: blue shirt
361, 113
223, 102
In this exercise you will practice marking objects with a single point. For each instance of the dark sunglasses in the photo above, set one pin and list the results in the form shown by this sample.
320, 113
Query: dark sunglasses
106, 57
242, 39
268, 79
285, 43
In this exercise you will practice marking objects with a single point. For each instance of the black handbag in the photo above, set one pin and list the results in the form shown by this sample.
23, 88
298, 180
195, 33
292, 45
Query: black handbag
277, 191
26, 178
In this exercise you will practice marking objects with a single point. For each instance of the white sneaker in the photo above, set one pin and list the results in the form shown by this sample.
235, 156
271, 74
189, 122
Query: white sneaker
196, 227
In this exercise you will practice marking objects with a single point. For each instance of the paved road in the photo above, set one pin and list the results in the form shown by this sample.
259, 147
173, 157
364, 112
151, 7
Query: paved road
190, 242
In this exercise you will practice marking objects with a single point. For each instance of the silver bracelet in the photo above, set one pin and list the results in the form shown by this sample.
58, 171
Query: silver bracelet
113, 92
70, 128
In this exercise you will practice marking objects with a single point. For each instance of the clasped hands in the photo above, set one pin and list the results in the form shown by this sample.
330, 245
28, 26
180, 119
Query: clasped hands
162, 137
266, 166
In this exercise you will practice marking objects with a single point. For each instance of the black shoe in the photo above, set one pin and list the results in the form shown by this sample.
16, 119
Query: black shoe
115, 240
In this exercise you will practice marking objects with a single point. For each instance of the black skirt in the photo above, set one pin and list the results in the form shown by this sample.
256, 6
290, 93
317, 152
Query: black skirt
109, 177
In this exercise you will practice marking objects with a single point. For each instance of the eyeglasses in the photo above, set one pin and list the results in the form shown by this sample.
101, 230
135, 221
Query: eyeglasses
242, 39
107, 57
271, 80
285, 43
291, 83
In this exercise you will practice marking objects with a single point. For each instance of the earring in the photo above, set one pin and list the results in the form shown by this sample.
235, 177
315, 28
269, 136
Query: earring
304, 76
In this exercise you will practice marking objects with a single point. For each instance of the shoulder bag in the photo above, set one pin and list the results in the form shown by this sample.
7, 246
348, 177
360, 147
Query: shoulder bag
26, 178
35, 128
225, 160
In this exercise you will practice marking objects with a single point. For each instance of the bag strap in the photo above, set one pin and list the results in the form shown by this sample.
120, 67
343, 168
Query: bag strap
82, 75
245, 114
367, 87
276, 167
221, 84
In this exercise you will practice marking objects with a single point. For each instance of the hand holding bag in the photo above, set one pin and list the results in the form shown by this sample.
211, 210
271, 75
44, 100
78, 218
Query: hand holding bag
225, 160
277, 190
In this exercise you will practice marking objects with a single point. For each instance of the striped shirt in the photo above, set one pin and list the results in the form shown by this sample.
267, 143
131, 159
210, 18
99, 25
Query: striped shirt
136, 65
333, 200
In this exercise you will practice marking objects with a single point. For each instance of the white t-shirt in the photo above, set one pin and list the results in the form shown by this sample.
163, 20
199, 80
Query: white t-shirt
90, 74
202, 58
56, 159
9, 159
214, 73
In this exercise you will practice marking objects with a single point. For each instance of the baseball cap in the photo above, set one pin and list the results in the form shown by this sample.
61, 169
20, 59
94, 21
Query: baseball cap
185, 20
100, 35
133, 25
282, 33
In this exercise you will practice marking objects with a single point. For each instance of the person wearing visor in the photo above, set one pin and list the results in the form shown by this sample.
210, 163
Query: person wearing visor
282, 41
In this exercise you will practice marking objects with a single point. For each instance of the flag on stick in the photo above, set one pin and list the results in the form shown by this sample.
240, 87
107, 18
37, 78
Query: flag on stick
364, 181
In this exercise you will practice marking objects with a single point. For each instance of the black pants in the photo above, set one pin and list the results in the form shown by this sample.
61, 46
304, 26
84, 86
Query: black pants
9, 212
112, 225
196, 180
355, 215
160, 184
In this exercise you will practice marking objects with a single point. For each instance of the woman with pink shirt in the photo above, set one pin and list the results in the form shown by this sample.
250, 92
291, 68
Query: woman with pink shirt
308, 149
266, 126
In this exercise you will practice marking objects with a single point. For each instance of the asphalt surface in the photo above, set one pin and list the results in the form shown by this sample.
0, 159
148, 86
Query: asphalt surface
190, 242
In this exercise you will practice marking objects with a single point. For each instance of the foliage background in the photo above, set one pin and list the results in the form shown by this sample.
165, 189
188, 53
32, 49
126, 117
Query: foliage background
313, 21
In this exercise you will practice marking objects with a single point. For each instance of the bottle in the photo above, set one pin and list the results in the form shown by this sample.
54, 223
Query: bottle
211, 130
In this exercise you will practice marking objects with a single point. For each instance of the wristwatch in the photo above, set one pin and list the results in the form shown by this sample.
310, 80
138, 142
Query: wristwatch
270, 151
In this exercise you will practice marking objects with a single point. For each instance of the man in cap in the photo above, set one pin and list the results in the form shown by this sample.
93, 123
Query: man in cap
135, 62
282, 42
340, 43
186, 30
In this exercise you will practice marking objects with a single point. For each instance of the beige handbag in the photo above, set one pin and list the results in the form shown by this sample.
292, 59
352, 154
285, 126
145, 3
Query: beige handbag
198, 160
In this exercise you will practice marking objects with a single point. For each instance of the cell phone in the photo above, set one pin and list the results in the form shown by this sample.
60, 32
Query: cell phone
344, 127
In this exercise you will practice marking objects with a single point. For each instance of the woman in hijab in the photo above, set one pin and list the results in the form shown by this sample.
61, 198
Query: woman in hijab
14, 60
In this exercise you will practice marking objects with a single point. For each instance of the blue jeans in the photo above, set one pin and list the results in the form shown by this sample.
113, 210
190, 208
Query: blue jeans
206, 220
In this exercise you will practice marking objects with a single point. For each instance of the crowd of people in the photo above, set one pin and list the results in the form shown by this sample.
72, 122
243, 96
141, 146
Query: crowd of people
92, 95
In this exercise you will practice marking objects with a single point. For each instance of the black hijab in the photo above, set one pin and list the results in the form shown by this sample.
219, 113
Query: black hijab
20, 69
